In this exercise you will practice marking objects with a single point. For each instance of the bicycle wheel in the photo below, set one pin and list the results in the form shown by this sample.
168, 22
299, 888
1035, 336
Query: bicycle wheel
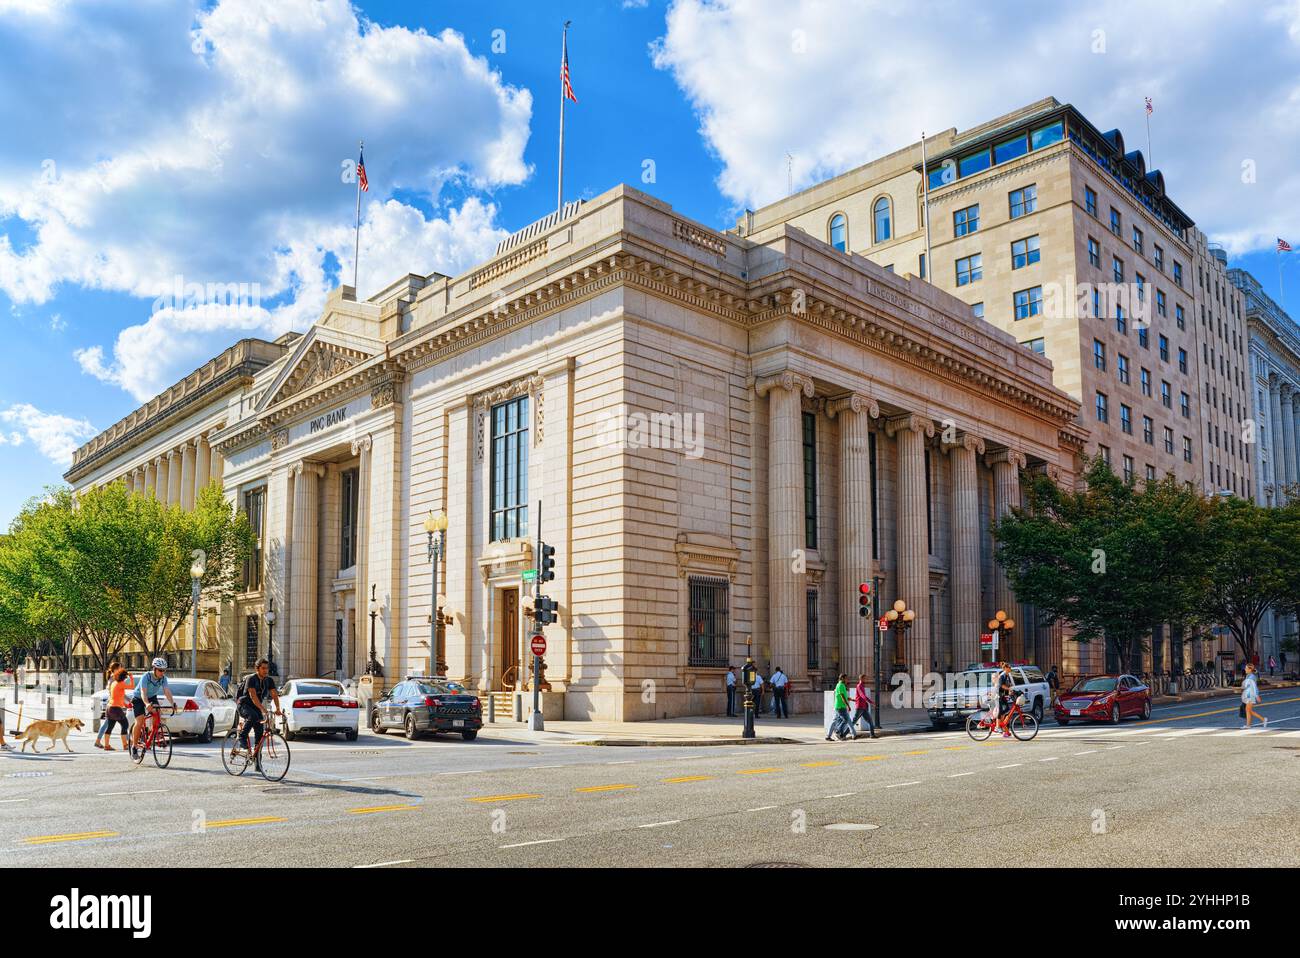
162, 747
1024, 726
976, 729
273, 757
235, 764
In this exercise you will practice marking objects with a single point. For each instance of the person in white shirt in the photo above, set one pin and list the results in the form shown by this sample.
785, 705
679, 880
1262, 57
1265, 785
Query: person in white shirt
1250, 696
731, 691
758, 692
779, 705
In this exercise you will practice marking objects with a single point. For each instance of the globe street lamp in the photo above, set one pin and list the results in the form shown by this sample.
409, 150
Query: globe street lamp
372, 667
436, 526
900, 619
1000, 625
747, 675
269, 615
198, 568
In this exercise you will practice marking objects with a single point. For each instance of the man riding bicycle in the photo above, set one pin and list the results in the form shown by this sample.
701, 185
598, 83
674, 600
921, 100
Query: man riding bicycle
252, 703
145, 698
1005, 690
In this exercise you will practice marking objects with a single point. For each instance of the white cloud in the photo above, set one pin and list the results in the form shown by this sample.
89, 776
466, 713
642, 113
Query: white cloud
838, 84
210, 142
55, 436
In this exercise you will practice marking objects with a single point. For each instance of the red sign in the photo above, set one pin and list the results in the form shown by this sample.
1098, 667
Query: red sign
539, 644
884, 624
986, 641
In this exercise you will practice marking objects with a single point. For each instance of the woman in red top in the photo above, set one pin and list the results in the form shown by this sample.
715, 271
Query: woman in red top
862, 704
120, 683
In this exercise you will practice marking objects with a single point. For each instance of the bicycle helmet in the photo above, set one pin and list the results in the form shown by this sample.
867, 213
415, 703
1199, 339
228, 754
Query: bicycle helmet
159, 663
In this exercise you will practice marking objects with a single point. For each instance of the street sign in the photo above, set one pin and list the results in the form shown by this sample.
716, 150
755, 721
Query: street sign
529, 575
884, 624
986, 641
539, 645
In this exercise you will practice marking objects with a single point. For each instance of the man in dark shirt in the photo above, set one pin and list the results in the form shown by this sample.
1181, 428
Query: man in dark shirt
252, 701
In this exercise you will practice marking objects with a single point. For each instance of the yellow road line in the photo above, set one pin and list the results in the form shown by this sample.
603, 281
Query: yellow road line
954, 748
870, 758
603, 788
485, 799
688, 778
817, 764
232, 822
380, 808
921, 751
73, 837
756, 771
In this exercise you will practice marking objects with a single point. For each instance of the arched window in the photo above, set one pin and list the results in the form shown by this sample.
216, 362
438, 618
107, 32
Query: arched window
881, 219
839, 232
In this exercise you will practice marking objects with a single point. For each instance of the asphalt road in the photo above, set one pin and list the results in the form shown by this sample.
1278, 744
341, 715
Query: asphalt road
1186, 788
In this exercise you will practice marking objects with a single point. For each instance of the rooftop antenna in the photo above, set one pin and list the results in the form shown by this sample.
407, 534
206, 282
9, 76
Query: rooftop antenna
789, 175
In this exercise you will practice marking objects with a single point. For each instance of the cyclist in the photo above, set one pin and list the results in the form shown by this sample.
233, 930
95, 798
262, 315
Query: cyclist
145, 699
252, 703
1005, 690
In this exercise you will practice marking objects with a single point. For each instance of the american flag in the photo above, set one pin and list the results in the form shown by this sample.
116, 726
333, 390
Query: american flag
564, 75
361, 173
1283, 246
1150, 108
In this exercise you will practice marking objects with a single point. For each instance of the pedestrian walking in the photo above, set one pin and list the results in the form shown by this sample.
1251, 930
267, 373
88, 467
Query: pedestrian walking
758, 692
115, 709
842, 726
779, 682
1272, 664
862, 706
731, 691
224, 681
1250, 697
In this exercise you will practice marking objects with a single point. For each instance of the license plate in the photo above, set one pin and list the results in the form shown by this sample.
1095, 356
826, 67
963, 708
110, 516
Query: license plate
949, 714
457, 723
328, 718
1074, 711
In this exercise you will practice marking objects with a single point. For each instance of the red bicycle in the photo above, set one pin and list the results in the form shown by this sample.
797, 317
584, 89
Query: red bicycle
1022, 724
155, 738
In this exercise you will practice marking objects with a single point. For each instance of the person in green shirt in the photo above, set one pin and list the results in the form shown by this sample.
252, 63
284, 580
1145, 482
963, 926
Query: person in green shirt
842, 726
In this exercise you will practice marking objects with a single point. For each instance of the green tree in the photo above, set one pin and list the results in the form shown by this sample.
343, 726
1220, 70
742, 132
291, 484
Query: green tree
1112, 560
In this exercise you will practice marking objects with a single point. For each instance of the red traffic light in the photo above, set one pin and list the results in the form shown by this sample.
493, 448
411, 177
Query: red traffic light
864, 599
865, 588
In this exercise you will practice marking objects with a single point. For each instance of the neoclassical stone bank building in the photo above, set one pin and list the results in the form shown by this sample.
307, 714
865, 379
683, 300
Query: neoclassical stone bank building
721, 436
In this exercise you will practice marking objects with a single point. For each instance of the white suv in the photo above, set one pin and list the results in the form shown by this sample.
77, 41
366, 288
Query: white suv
968, 693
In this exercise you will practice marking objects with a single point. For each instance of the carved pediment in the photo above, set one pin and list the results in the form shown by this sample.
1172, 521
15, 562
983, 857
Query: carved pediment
316, 361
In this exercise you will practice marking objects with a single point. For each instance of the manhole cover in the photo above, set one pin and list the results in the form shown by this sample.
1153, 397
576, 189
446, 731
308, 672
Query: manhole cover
850, 827
284, 790
27, 774
777, 865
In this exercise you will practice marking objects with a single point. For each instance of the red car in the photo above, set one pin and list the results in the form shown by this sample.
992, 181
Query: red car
1104, 698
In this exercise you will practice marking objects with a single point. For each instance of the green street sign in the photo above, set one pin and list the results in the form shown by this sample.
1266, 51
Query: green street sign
529, 575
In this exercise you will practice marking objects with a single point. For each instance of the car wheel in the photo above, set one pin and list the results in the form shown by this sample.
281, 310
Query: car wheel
1114, 714
206, 734
351, 735
469, 736
412, 732
1146, 709
376, 725
1038, 710
288, 733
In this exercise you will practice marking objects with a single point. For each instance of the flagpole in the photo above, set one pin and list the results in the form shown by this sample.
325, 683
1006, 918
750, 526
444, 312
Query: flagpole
925, 192
1281, 292
1151, 163
564, 55
356, 245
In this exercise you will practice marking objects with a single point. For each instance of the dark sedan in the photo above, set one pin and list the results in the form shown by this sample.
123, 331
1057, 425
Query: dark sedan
420, 705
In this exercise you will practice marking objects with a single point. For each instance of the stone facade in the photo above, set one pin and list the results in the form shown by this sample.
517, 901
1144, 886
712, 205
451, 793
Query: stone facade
723, 436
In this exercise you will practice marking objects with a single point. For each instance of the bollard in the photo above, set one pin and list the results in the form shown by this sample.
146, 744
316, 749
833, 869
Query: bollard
49, 709
492, 708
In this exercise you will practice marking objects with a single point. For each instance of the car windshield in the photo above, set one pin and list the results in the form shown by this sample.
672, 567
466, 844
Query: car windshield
429, 688
1101, 684
183, 686
317, 688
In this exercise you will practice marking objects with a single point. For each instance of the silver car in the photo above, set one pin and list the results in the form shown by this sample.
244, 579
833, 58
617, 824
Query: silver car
319, 705
203, 709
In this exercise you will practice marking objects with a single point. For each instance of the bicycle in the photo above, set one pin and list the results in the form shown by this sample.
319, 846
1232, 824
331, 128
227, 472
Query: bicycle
155, 738
1022, 724
270, 755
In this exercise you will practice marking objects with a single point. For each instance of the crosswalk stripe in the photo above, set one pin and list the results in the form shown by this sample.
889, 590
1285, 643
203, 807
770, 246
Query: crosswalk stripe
1288, 735
1239, 732
1183, 732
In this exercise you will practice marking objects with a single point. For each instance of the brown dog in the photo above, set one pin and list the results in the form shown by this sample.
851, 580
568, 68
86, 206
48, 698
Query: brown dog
54, 731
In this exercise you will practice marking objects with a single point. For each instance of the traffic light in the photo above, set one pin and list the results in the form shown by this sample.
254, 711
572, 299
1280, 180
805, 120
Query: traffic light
864, 599
546, 572
544, 610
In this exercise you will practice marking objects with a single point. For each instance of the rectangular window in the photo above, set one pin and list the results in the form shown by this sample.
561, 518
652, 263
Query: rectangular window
509, 470
1010, 149
1185, 405
1099, 354
1151, 473
1180, 319
1024, 201
1103, 408
1035, 345
1182, 360
1128, 468
1028, 302
1162, 307
1141, 283
1146, 382
1122, 366
255, 509
1115, 226
1137, 239
709, 622
1166, 395
1104, 453
1094, 253
1047, 135
1148, 431
251, 654
1090, 200
1178, 274
1126, 419
1159, 255
1169, 440
966, 221
1187, 448
814, 642
1164, 347
349, 480
1117, 268
973, 163
969, 269
977, 309
1143, 337
1024, 252
1121, 321
810, 480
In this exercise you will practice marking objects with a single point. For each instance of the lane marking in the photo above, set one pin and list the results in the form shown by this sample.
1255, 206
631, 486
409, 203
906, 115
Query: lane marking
1088, 752
380, 808
761, 808
1182, 732
961, 774
901, 784
1230, 711
757, 771
954, 748
485, 799
1111, 748
673, 821
143, 791
818, 764
841, 795
72, 837
604, 788
688, 778
628, 762
1012, 765
10, 801
1052, 759
235, 822
400, 861
870, 758
533, 768
540, 841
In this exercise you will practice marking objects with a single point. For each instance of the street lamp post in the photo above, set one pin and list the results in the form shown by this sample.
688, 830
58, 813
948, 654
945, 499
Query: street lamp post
900, 617
876, 642
436, 527
270, 638
372, 667
1000, 625
747, 674
198, 568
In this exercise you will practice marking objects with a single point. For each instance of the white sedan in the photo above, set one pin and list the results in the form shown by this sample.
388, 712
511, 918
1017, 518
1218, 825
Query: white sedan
202, 708
319, 705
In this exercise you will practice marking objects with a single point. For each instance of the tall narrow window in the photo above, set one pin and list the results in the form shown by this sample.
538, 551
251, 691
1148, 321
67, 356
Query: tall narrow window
708, 622
254, 508
509, 472
250, 641
881, 219
840, 232
348, 482
814, 643
810, 480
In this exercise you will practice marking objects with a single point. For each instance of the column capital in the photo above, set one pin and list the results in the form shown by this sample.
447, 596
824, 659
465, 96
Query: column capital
171, 453
854, 402
1008, 455
303, 465
1049, 469
912, 422
361, 444
966, 440
1285, 390
1295, 399
1273, 382
786, 380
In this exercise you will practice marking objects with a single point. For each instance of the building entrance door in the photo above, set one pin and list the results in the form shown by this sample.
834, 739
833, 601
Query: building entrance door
509, 637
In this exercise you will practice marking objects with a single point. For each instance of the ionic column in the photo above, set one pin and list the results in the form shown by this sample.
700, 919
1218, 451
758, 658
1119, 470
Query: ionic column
173, 477
1295, 430
1287, 397
218, 467
128, 481
1006, 464
202, 465
150, 477
1275, 437
967, 618
787, 611
186, 490
854, 534
162, 484
912, 432
300, 658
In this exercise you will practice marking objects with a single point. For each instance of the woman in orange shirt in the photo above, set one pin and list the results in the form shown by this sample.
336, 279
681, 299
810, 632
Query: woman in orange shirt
115, 713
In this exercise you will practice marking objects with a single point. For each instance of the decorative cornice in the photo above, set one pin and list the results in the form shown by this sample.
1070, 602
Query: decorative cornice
854, 402
911, 422
789, 379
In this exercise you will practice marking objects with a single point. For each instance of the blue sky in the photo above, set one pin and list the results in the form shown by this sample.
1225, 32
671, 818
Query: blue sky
165, 141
